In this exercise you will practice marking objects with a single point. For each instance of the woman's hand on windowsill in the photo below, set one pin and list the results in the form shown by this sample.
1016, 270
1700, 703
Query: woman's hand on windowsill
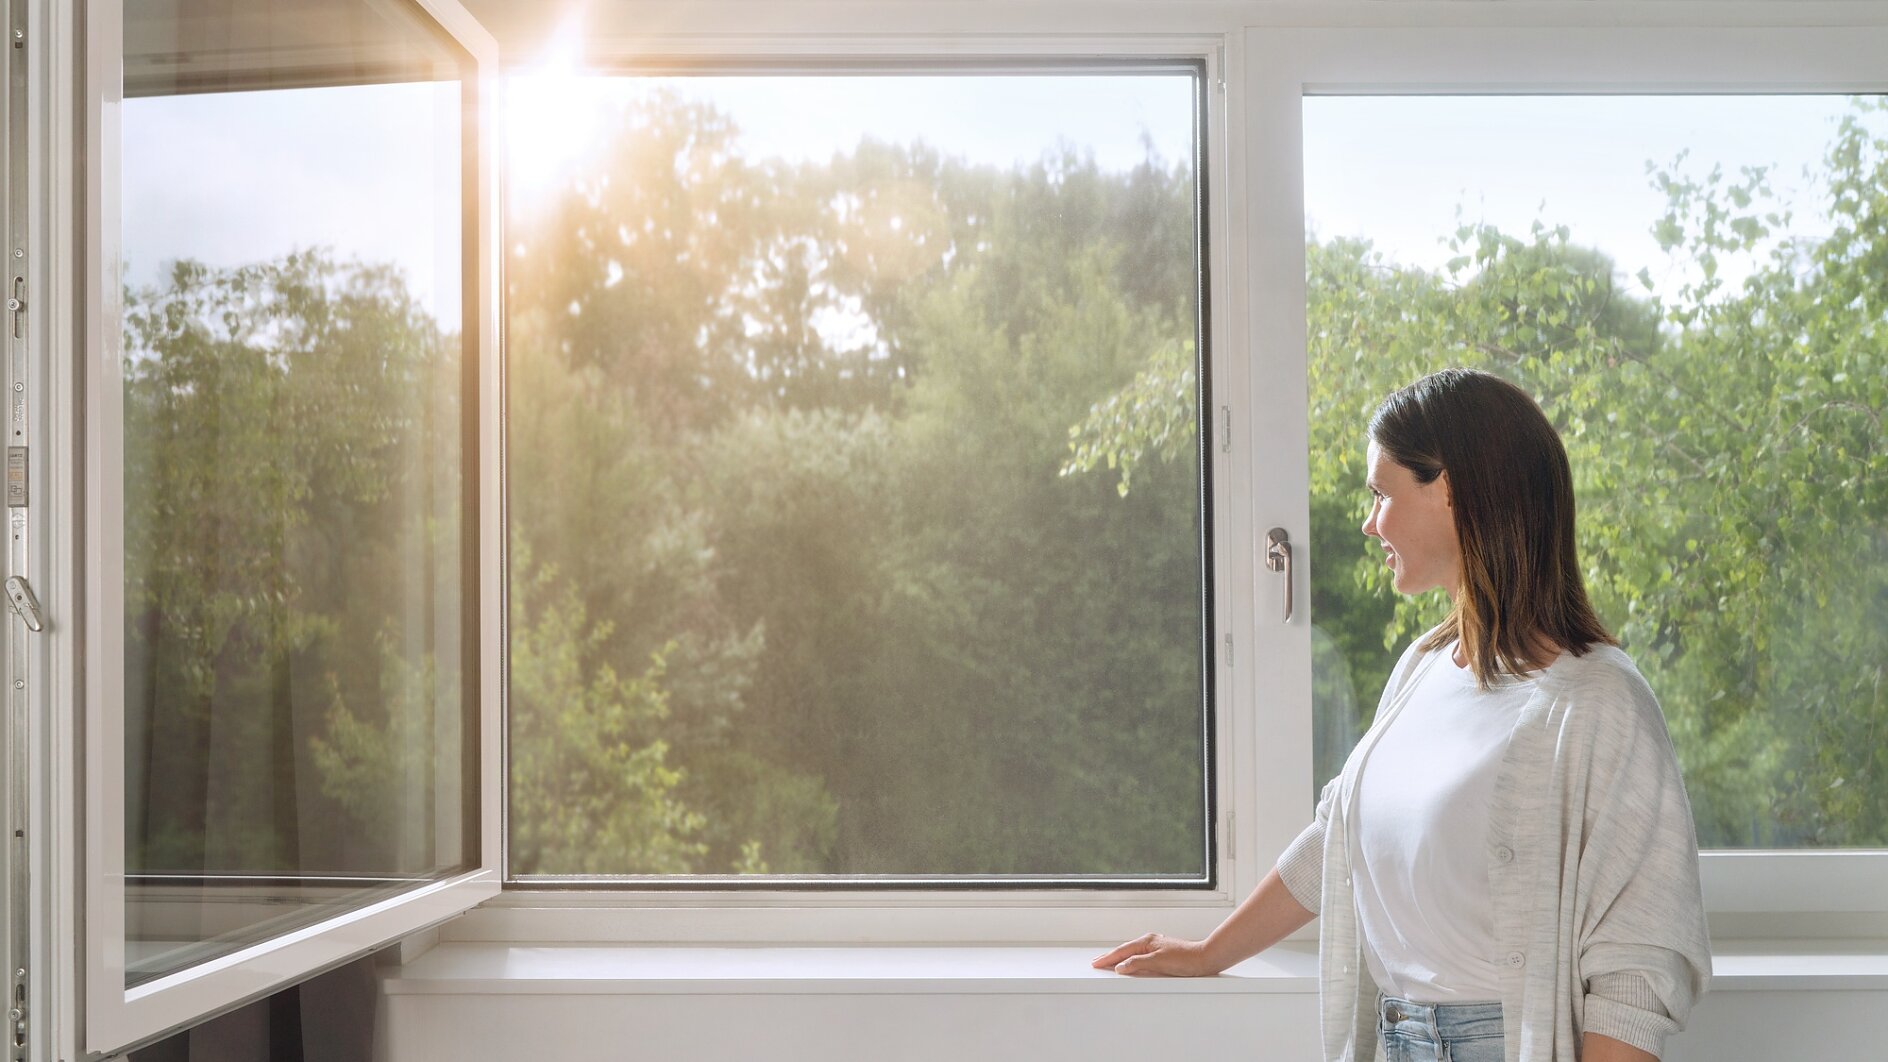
1157, 955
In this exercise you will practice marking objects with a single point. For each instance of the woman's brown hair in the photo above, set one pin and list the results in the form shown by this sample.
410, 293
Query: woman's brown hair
1511, 490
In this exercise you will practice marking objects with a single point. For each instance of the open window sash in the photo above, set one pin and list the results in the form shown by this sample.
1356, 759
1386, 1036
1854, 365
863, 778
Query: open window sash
291, 529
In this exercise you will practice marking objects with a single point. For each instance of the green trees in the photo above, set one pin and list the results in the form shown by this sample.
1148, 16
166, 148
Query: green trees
1771, 623
1728, 448
822, 482
855, 522
291, 497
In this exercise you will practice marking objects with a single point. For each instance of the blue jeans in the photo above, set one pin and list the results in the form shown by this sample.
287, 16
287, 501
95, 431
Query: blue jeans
1446, 1032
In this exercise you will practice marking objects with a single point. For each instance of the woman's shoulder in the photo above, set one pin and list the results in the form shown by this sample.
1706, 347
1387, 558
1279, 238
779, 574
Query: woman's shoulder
1603, 688
1597, 664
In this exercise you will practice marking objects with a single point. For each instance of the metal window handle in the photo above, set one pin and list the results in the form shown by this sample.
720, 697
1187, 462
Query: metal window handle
20, 596
1278, 559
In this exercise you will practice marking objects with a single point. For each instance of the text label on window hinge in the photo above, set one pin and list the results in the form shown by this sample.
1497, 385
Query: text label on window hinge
16, 477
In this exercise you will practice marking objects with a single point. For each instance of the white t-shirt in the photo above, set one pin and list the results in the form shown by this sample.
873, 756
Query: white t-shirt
1423, 901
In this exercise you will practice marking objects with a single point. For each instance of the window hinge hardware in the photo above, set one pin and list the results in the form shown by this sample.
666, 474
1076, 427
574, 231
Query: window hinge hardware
1232, 836
1225, 429
16, 1015
1228, 650
1219, 67
20, 596
16, 477
17, 307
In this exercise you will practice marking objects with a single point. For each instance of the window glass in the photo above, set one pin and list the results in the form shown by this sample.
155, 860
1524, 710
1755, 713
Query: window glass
1693, 289
296, 612
857, 518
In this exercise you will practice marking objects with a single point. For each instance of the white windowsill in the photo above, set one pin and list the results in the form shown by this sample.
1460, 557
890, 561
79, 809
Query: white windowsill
1799, 965
596, 969
463, 968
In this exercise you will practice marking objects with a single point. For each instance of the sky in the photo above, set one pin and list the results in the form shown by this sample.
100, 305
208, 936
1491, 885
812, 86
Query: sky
1006, 121
370, 171
236, 178
1394, 169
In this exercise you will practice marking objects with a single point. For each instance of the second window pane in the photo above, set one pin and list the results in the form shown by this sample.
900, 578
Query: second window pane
1692, 287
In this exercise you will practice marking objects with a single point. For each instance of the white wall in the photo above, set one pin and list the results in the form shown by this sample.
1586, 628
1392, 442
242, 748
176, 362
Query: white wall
825, 1028
1754, 1026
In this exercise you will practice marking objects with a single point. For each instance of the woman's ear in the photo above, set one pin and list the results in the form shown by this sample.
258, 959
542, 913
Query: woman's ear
1448, 496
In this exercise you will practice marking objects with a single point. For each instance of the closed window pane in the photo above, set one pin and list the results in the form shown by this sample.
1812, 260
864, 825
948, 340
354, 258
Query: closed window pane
1693, 288
857, 507
294, 460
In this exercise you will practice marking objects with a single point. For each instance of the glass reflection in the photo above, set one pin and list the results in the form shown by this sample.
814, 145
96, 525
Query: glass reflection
295, 614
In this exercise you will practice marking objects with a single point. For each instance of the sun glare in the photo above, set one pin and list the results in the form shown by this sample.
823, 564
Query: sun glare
551, 120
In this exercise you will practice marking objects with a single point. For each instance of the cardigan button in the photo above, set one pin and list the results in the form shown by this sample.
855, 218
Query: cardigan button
1504, 854
1515, 958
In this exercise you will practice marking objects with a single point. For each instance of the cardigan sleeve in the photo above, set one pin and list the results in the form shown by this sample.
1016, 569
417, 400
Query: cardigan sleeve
1645, 954
1301, 868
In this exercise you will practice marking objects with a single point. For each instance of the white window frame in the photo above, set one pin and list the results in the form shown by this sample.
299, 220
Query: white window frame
78, 909
1268, 61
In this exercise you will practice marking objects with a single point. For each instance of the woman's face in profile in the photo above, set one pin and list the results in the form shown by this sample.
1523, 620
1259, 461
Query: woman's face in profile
1414, 523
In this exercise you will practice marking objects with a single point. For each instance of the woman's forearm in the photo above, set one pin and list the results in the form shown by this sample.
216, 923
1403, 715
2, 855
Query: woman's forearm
1265, 918
1597, 1048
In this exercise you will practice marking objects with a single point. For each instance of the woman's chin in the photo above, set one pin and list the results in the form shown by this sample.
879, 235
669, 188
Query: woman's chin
1403, 584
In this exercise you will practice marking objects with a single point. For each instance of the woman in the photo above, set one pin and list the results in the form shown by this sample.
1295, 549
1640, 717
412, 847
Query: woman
1506, 866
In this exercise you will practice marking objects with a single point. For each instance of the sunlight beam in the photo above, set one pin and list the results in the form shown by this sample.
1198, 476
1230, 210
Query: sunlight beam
551, 118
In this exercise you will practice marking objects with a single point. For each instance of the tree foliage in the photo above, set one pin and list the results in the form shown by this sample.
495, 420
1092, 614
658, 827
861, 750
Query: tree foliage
855, 519
291, 521
1728, 449
850, 507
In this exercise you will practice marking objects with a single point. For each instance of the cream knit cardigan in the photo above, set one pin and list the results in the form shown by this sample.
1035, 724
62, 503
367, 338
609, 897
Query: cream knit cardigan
1592, 867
